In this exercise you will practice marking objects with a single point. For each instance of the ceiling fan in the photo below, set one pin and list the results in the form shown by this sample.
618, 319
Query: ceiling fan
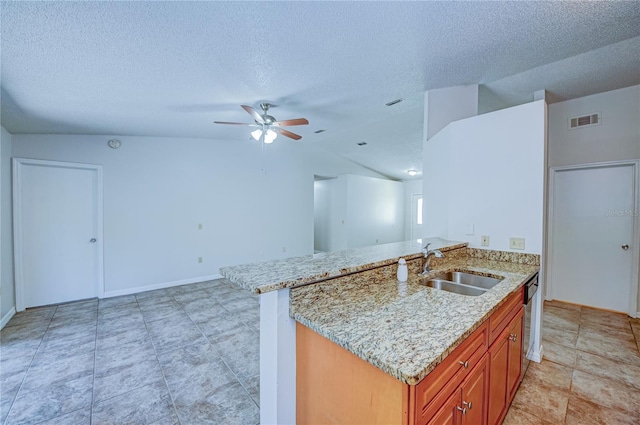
268, 127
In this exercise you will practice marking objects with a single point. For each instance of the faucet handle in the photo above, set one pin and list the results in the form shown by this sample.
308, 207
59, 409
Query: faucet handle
426, 247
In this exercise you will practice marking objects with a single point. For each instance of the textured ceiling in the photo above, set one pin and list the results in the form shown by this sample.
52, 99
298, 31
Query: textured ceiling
171, 68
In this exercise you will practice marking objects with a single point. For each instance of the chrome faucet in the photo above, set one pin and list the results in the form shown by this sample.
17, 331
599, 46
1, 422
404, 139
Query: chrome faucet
428, 255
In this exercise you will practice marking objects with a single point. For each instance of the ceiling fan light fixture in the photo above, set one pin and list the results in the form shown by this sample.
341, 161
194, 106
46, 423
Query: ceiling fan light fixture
268, 128
270, 136
256, 134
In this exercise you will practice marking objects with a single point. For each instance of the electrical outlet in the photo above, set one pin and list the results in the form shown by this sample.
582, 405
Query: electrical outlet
484, 240
516, 243
199, 259
284, 249
199, 226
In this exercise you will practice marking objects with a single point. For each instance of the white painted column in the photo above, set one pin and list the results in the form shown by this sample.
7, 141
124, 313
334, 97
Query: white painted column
536, 326
277, 360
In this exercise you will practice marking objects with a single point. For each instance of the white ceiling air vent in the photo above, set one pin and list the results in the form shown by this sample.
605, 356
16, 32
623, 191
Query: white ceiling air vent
584, 121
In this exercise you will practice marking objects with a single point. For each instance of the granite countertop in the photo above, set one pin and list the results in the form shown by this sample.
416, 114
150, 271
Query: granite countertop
404, 329
296, 271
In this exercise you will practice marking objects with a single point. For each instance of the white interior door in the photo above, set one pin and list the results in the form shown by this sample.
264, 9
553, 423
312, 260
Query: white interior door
57, 208
593, 212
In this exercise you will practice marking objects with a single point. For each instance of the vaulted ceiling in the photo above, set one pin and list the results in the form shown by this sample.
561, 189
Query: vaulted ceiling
172, 68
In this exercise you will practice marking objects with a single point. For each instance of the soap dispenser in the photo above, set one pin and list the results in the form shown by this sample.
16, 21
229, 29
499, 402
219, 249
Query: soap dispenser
403, 273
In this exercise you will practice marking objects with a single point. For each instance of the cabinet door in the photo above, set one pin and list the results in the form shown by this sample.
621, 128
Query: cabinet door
449, 413
515, 353
498, 362
474, 396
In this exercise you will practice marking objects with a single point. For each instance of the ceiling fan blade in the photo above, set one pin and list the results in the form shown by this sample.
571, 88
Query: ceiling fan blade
232, 123
296, 121
287, 133
256, 116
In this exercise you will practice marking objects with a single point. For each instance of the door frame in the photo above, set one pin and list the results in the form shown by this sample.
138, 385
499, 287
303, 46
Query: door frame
18, 165
413, 216
635, 251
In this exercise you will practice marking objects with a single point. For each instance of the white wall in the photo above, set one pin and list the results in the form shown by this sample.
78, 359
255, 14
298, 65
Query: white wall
322, 214
356, 211
442, 106
375, 211
616, 138
253, 205
488, 171
6, 230
436, 156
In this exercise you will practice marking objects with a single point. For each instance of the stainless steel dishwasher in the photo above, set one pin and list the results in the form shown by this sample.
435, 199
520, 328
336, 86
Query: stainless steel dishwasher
530, 289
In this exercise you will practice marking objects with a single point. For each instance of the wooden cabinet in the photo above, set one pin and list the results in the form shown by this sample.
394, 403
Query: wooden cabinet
505, 367
432, 391
498, 369
468, 404
448, 413
515, 354
473, 385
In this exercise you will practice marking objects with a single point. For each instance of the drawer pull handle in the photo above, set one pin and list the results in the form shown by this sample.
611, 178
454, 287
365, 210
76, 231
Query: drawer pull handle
513, 337
464, 403
465, 364
462, 409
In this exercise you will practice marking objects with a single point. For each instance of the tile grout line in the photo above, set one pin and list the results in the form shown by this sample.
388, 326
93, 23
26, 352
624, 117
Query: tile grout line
164, 377
95, 351
222, 358
575, 367
218, 354
6, 420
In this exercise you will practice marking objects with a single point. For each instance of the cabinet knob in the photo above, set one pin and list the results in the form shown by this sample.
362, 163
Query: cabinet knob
462, 409
513, 337
465, 364
464, 403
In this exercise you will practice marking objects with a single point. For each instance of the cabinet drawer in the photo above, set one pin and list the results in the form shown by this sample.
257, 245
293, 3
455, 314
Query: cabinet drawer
500, 319
445, 378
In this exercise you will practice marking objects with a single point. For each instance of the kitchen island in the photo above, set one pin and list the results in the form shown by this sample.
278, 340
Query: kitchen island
351, 299
404, 329
428, 342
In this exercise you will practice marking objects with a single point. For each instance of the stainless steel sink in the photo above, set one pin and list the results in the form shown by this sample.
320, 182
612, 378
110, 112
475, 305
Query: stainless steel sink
475, 280
457, 288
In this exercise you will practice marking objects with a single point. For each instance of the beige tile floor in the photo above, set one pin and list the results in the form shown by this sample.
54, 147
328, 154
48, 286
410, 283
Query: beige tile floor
590, 373
186, 355
189, 355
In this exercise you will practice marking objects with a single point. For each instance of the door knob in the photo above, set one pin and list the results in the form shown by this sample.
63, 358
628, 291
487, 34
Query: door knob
625, 247
92, 240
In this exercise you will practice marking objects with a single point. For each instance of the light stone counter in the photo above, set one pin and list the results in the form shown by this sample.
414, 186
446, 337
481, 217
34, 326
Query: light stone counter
297, 271
404, 329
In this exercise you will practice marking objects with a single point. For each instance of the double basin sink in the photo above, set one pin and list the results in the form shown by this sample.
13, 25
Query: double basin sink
462, 283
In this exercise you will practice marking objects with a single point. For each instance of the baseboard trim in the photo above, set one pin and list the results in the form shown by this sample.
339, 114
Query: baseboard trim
138, 289
7, 317
536, 356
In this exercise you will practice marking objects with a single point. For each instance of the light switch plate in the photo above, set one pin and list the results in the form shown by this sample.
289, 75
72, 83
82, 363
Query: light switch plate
484, 240
516, 243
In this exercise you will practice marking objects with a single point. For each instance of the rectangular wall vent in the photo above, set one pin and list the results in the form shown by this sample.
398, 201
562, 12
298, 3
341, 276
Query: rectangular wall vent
584, 121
